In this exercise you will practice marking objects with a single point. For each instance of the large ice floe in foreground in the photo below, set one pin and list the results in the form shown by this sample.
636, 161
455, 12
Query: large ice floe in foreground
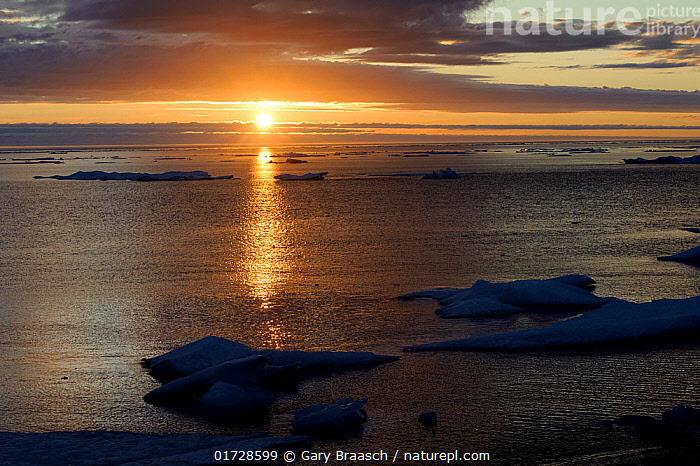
307, 177
224, 377
486, 298
691, 255
617, 320
167, 176
100, 448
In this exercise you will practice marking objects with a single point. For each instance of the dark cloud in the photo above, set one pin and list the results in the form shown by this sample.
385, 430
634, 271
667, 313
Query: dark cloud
317, 50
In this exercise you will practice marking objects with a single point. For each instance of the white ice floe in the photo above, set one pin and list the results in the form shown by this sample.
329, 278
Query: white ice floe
691, 255
225, 399
100, 448
196, 356
617, 320
246, 372
307, 177
341, 414
167, 176
446, 174
325, 359
487, 298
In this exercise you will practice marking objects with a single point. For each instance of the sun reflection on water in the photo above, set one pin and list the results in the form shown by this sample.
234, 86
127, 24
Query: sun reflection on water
265, 260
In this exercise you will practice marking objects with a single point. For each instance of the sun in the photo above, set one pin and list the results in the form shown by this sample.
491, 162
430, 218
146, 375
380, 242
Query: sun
264, 120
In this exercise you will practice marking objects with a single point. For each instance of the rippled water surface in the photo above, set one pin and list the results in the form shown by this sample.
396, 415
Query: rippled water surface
95, 275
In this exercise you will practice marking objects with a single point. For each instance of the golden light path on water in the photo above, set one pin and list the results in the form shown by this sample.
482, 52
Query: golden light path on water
265, 261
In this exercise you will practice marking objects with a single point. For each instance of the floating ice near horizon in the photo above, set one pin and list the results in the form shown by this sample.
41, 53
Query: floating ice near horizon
195, 175
307, 177
668, 159
341, 414
617, 320
103, 448
446, 174
691, 255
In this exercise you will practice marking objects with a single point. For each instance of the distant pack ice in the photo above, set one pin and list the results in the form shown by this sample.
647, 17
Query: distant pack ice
167, 176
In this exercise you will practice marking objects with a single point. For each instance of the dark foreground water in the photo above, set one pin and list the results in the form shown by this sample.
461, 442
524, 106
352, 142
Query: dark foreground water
95, 275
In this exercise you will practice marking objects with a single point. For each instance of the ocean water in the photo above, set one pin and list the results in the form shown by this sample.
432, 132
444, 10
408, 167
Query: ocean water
95, 275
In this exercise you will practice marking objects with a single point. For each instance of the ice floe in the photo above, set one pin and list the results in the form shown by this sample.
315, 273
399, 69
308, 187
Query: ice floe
225, 399
617, 320
167, 176
307, 177
668, 159
691, 255
224, 378
446, 174
246, 372
476, 307
341, 414
196, 356
487, 298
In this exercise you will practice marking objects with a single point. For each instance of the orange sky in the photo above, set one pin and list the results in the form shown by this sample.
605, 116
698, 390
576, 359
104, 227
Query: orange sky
361, 68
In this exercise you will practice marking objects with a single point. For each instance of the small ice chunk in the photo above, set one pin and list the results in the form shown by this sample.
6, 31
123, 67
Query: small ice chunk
224, 399
344, 413
682, 414
308, 176
476, 307
428, 418
692, 254
325, 359
196, 356
446, 174
247, 372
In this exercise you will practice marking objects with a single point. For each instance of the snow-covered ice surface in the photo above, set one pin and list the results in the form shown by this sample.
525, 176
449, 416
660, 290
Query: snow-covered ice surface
485, 298
618, 320
691, 255
196, 356
225, 399
339, 415
167, 176
306, 177
102, 448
